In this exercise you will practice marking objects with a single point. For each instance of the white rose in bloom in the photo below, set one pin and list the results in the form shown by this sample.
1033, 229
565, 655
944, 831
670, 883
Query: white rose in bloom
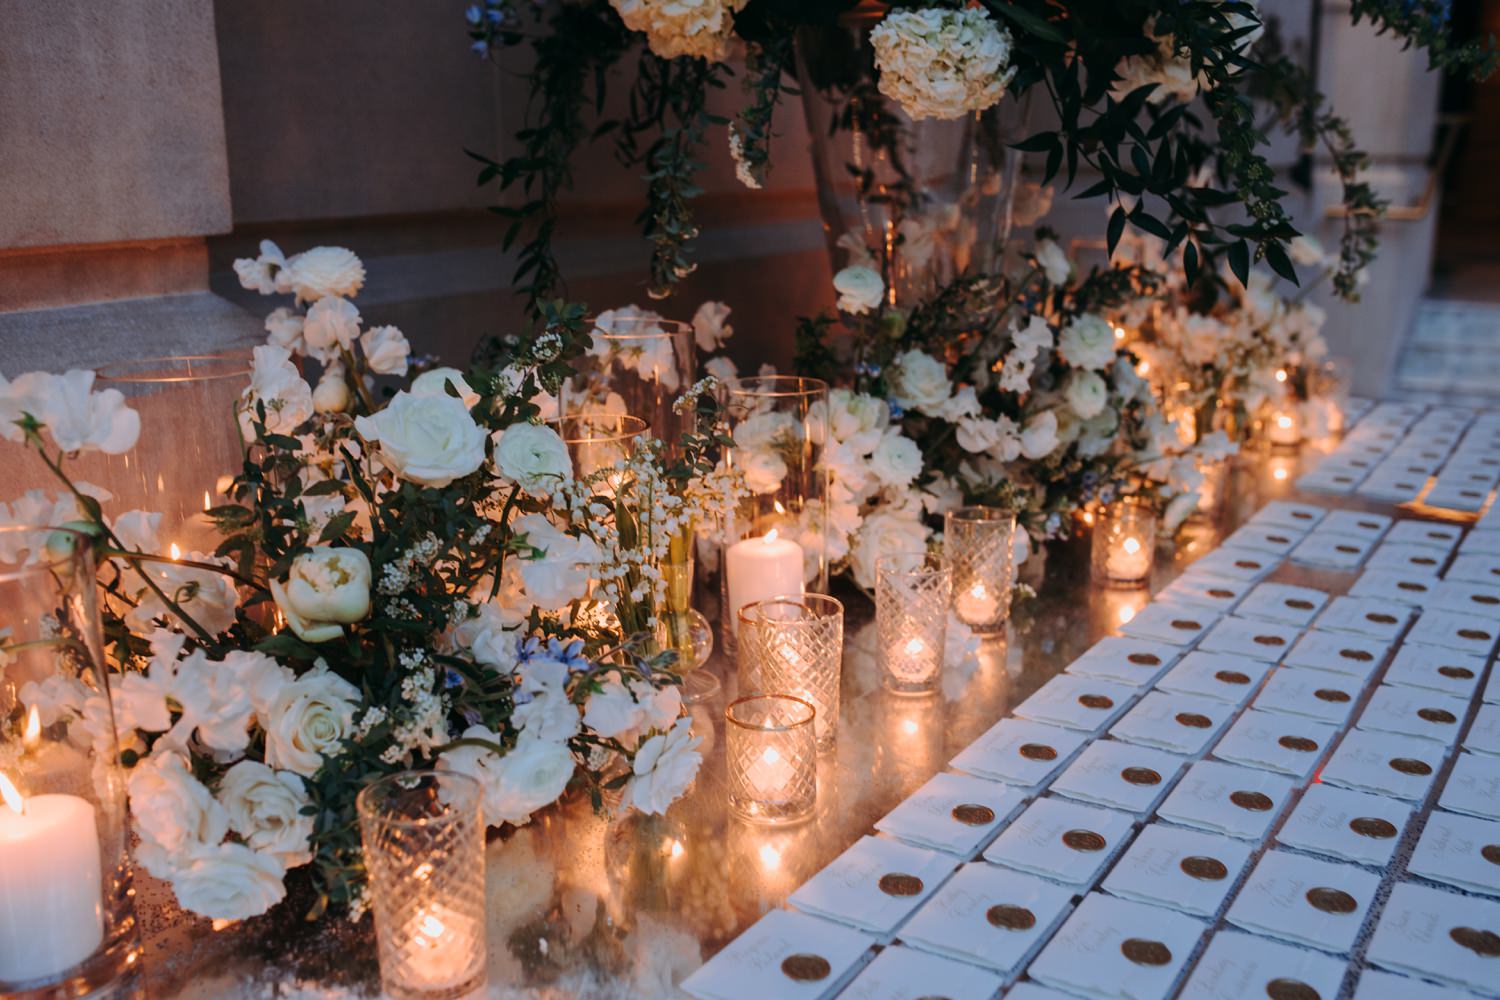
1039, 436
228, 882
78, 418
664, 767
324, 271
325, 589
764, 471
275, 382
528, 777
702, 28
857, 418
711, 326
1035, 336
284, 330
436, 382
386, 350
265, 807
1054, 262
860, 289
264, 274
430, 440
331, 325
488, 638
920, 381
331, 395
897, 460
173, 812
533, 457
942, 63
562, 574
1087, 342
884, 532
548, 716
1086, 393
310, 717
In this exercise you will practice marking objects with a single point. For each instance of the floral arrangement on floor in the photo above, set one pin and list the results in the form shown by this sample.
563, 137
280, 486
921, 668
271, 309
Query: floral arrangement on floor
409, 578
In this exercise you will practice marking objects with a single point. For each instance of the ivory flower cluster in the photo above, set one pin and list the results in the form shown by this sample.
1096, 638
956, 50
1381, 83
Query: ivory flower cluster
673, 28
942, 63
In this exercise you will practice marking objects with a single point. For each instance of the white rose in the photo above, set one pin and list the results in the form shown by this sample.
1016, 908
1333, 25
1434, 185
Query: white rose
897, 460
562, 573
711, 326
722, 368
430, 440
228, 882
1086, 393
331, 326
860, 289
324, 590
1087, 342
284, 330
331, 395
276, 383
528, 777
1053, 261
1039, 436
309, 719
533, 457
436, 382
664, 767
920, 381
882, 533
764, 471
857, 418
173, 812
265, 807
322, 271
386, 350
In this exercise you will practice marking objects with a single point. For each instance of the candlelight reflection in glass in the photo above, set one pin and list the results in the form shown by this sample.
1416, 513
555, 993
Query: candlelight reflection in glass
1124, 543
424, 849
600, 440
795, 645
771, 750
1284, 426
979, 547
912, 595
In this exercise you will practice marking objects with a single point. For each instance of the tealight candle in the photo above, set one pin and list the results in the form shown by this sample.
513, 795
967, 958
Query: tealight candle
912, 593
1284, 428
772, 757
1124, 543
795, 645
443, 949
979, 548
757, 569
1128, 559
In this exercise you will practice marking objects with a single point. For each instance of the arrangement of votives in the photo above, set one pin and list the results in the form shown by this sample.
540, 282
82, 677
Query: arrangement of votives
1123, 547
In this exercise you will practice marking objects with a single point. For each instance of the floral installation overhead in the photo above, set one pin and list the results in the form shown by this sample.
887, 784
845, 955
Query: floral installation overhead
413, 578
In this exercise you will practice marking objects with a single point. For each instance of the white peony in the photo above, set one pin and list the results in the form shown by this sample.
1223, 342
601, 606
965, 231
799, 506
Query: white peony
386, 350
1054, 261
533, 457
228, 882
711, 326
78, 418
665, 765
331, 327
265, 274
435, 382
561, 574
1087, 342
265, 807
860, 289
897, 460
919, 381
1039, 437
276, 384
173, 812
942, 63
324, 271
325, 589
673, 28
883, 532
430, 440
531, 775
308, 720
1086, 393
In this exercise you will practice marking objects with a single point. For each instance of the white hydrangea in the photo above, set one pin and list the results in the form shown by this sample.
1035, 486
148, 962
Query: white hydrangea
673, 28
942, 63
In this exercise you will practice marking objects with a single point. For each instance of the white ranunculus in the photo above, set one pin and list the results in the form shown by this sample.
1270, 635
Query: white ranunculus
562, 574
331, 394
1087, 342
711, 326
860, 289
533, 457
325, 589
941, 63
78, 418
284, 330
276, 383
264, 274
665, 765
883, 532
530, 776
488, 636
173, 812
1086, 393
324, 271
331, 326
1054, 262
265, 807
435, 382
919, 381
228, 882
310, 717
548, 716
1039, 436
386, 350
431, 440
897, 460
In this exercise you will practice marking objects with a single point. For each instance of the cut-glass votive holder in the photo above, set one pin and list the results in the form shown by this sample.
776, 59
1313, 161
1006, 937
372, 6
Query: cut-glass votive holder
912, 594
423, 841
1124, 544
795, 645
772, 752
979, 547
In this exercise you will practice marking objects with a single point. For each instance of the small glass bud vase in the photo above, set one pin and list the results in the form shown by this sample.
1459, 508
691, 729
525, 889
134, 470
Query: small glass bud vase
1124, 543
912, 595
682, 628
772, 754
979, 547
67, 920
795, 645
423, 839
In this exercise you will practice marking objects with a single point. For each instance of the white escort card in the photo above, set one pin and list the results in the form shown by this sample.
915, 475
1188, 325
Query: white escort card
1178, 624
1036, 991
1354, 655
1180, 723
1473, 786
1247, 565
1203, 590
1264, 538
1355, 524
991, 916
1305, 900
1019, 752
1386, 764
1342, 823
1455, 630
1119, 776
1484, 733
1429, 533
1332, 551
783, 954
1402, 588
1412, 712
1367, 616
1083, 703
1226, 678
1186, 870
953, 812
1403, 557
1063, 840
1283, 743
1113, 947
1463, 851
1331, 477
1237, 965
1438, 935
1435, 669
1375, 984
1302, 516
1261, 640
1282, 602
1311, 694
907, 974
1475, 568
875, 884
1222, 798
1491, 694
1481, 541
1479, 599
1136, 662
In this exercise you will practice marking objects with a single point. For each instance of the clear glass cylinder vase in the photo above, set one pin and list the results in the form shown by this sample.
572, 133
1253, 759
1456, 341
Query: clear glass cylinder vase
67, 917
639, 365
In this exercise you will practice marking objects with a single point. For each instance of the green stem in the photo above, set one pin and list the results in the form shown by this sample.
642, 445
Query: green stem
193, 563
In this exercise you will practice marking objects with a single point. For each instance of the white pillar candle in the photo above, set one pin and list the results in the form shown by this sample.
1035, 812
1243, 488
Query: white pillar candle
51, 902
760, 568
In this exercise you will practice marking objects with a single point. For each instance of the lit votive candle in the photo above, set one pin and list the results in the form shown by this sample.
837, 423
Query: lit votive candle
756, 569
1128, 559
912, 592
795, 645
1283, 427
771, 749
1124, 543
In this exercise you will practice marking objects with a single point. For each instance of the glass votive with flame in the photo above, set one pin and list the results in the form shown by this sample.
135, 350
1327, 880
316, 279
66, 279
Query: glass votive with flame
772, 754
913, 591
979, 547
1124, 543
795, 645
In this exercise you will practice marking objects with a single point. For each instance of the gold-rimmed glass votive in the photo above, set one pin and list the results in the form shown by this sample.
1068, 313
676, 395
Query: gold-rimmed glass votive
979, 547
912, 594
772, 754
795, 645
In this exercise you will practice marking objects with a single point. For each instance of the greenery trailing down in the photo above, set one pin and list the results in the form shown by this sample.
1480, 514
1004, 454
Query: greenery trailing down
766, 69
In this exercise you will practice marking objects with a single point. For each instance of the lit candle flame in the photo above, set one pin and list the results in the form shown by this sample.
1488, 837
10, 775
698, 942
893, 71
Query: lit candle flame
1143, 368
770, 857
1283, 421
174, 552
915, 646
431, 928
1131, 545
777, 505
206, 503
771, 535
1279, 473
770, 756
1281, 374
1126, 613
33, 734
1119, 333
12, 796
910, 726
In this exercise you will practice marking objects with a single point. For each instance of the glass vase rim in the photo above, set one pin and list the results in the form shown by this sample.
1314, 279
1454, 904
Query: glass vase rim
152, 371
775, 696
767, 386
1133, 503
981, 512
668, 328
804, 601
56, 560
364, 800
928, 563
559, 424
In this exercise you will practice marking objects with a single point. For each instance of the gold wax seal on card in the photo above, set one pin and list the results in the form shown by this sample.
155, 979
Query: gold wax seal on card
1301, 744
1410, 765
1439, 715
1363, 656
1141, 776
900, 884
1278, 539
1037, 751
1490, 853
1144, 659
1096, 701
1331, 694
1457, 673
1478, 635
973, 814
1083, 840
1381, 618
1302, 515
1423, 561
1484, 599
1298, 604
1220, 593
805, 968
1009, 917
1144, 951
1373, 827
1204, 869
1253, 801
1270, 640
1420, 588
1291, 989
1247, 564
1481, 942
1370, 525
1331, 900
1185, 624
1232, 677
1193, 720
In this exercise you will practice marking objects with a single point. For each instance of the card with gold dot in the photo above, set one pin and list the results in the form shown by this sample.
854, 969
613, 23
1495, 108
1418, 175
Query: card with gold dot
1401, 766
1111, 947
1019, 752
1187, 870
907, 974
1440, 935
1284, 603
1433, 668
1462, 851
1242, 802
988, 915
875, 884
1119, 775
1220, 676
1305, 900
783, 954
1413, 712
1346, 824
1180, 723
953, 812
1237, 965
1283, 743
1061, 839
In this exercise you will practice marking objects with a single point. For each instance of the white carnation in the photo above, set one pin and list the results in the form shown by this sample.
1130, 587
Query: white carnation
561, 574
941, 63
531, 775
173, 812
664, 767
711, 326
322, 271
276, 383
331, 326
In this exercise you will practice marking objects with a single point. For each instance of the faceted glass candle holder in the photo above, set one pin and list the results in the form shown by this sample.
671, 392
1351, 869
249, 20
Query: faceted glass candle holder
912, 594
795, 645
423, 842
1124, 544
979, 547
772, 754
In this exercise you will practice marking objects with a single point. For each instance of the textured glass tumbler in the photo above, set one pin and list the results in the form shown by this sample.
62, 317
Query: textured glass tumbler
1124, 544
912, 593
795, 645
979, 547
424, 850
772, 753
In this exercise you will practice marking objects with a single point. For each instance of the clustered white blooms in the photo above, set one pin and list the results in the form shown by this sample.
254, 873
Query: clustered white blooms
942, 63
673, 28
649, 347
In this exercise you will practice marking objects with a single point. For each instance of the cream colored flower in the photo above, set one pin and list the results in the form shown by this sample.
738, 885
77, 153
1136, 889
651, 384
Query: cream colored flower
322, 271
674, 28
325, 589
942, 63
430, 440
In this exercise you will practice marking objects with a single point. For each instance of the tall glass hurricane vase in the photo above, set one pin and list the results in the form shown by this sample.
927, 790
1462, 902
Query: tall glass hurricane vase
639, 365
